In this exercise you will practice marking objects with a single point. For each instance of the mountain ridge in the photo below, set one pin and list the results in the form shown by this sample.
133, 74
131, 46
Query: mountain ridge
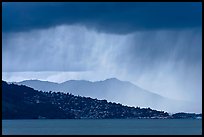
109, 79
111, 89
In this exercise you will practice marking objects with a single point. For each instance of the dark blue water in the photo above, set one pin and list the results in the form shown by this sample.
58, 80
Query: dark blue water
103, 127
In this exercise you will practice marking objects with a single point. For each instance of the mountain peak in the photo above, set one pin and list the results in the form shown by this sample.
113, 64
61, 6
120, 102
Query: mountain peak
112, 79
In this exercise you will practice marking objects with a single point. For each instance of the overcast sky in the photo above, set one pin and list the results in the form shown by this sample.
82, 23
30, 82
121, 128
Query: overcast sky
157, 46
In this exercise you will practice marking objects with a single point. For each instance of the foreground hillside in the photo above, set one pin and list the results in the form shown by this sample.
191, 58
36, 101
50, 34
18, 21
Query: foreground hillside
25, 102
21, 102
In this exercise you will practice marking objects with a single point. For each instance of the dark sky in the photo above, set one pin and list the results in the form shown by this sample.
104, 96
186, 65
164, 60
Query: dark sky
114, 17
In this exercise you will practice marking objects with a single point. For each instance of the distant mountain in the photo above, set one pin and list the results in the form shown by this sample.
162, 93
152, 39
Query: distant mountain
21, 102
111, 89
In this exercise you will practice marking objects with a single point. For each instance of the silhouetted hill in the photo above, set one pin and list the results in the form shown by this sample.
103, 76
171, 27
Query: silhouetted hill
21, 102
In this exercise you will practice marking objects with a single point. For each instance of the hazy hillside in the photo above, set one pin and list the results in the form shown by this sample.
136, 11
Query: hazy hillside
112, 90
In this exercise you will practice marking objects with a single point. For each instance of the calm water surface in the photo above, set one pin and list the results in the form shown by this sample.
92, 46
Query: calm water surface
103, 127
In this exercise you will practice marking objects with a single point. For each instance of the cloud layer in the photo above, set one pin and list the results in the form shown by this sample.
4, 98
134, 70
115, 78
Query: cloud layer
109, 17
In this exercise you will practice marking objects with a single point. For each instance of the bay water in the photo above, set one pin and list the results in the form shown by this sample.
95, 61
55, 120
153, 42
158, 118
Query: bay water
102, 127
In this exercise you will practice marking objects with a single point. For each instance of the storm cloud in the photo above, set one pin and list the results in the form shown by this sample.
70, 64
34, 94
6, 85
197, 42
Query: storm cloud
109, 17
